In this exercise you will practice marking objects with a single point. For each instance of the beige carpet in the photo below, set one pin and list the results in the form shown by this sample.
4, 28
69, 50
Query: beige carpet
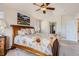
69, 48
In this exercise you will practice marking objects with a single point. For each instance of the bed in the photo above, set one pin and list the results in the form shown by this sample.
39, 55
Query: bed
42, 49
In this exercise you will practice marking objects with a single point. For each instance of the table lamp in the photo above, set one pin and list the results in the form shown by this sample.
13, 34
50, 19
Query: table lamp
3, 27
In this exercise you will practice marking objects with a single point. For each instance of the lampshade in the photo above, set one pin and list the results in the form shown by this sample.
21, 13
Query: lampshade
3, 26
2, 15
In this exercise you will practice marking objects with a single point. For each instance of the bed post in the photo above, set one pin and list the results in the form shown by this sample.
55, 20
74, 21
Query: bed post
55, 48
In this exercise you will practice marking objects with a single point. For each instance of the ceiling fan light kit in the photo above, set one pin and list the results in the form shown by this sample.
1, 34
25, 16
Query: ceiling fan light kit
43, 9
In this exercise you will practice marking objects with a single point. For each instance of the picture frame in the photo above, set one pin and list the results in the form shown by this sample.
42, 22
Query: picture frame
23, 19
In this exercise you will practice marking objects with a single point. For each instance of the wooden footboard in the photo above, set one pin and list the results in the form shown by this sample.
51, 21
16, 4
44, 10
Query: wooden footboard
31, 50
55, 49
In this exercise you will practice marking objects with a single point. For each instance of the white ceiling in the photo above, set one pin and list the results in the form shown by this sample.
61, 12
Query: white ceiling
60, 9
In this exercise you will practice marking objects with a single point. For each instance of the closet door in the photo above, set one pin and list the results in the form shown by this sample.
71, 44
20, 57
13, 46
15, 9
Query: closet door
52, 27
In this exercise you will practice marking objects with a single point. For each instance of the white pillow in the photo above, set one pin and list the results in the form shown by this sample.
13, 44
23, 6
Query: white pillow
27, 31
21, 32
32, 31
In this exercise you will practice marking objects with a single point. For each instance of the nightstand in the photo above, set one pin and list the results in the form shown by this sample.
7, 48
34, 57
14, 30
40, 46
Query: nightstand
3, 49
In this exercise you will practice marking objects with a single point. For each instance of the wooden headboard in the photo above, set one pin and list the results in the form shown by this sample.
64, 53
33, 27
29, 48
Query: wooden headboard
15, 29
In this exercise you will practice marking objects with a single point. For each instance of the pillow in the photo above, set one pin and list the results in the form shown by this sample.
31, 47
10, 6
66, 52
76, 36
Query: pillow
32, 31
52, 39
27, 31
21, 32
37, 40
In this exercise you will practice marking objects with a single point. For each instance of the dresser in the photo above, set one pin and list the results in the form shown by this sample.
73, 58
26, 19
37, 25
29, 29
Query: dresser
3, 49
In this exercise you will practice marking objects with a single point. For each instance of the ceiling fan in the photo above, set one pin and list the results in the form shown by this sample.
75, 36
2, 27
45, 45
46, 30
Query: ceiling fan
44, 7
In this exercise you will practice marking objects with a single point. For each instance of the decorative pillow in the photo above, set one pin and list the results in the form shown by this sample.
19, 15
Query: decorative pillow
32, 31
37, 39
21, 32
28, 31
52, 39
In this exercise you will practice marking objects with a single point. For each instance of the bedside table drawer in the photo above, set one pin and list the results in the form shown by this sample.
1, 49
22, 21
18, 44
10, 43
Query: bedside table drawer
0, 40
3, 45
1, 52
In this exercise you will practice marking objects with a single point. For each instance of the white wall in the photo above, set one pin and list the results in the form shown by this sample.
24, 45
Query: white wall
69, 27
10, 15
45, 28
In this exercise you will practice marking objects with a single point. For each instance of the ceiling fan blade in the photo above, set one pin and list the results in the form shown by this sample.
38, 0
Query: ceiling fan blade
37, 9
47, 4
44, 12
50, 8
42, 5
36, 4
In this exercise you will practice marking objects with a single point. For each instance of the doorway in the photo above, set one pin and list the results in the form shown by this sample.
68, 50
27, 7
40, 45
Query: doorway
52, 27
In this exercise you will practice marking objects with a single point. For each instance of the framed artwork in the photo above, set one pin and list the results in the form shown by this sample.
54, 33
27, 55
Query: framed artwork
23, 19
